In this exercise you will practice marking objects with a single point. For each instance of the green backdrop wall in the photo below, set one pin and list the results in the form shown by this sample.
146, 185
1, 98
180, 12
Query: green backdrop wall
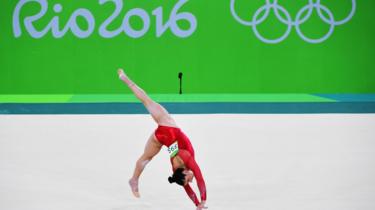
220, 55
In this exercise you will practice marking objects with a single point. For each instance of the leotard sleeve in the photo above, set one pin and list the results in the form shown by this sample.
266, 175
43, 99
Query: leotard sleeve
199, 178
191, 194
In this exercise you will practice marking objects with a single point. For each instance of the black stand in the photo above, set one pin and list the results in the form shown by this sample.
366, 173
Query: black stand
180, 78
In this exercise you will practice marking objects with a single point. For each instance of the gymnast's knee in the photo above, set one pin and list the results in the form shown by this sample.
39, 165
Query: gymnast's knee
142, 162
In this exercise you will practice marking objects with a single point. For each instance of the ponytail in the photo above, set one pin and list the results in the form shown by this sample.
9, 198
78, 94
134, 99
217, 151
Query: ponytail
178, 177
171, 180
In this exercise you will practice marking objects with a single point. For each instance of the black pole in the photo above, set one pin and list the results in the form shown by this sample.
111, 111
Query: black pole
180, 78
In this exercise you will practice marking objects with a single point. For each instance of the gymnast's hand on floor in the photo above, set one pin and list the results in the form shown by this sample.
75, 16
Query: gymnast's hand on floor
202, 206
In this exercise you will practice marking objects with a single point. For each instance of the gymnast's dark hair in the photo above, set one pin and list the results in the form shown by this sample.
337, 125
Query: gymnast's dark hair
177, 177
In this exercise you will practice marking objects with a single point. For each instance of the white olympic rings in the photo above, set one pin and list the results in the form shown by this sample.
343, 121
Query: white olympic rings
299, 20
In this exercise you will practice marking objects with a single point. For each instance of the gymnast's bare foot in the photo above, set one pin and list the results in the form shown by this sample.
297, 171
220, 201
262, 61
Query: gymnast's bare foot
121, 74
134, 187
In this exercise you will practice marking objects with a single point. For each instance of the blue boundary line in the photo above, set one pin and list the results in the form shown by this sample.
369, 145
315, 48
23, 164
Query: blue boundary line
190, 108
349, 97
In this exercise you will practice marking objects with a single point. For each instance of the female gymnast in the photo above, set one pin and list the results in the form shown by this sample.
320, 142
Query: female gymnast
179, 147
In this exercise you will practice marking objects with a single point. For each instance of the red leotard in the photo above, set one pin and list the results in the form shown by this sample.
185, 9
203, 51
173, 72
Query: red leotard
168, 135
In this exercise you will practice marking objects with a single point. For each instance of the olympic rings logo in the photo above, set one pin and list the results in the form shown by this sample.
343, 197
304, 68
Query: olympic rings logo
297, 22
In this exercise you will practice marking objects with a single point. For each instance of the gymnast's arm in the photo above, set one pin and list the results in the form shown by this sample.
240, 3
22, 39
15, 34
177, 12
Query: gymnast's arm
191, 194
200, 181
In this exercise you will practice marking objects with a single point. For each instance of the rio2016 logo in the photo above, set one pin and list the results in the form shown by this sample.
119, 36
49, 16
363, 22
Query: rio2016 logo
273, 6
126, 27
260, 15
